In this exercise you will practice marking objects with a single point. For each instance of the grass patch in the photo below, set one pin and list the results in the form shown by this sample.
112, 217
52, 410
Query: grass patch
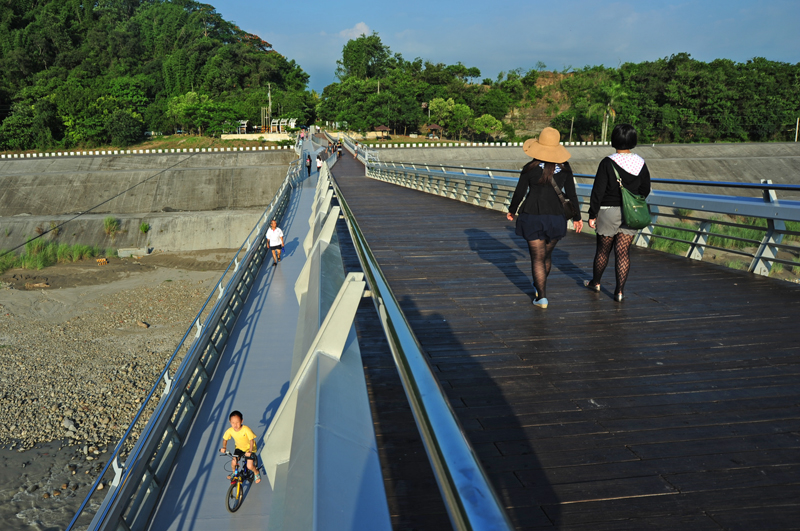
738, 232
735, 264
793, 226
682, 212
796, 269
144, 228
111, 226
776, 268
675, 231
39, 254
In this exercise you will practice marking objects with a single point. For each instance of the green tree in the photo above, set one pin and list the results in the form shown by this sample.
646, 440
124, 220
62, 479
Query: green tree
460, 118
487, 125
124, 129
364, 58
611, 94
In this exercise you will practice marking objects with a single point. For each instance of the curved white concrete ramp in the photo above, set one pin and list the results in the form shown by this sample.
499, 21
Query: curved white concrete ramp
252, 377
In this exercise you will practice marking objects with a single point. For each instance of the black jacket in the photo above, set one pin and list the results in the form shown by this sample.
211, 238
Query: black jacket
542, 199
605, 191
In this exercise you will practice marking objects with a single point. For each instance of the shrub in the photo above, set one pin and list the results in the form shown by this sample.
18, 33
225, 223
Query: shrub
124, 129
111, 226
144, 228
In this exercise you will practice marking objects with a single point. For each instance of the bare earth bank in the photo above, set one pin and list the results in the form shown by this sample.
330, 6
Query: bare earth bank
76, 360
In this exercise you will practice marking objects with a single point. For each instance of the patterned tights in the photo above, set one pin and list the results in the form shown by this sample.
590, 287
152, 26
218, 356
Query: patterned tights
541, 262
622, 245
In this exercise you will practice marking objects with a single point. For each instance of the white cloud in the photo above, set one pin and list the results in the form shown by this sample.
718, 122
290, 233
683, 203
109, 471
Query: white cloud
356, 31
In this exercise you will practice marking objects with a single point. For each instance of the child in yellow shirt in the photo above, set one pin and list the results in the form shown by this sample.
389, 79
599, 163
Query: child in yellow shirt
245, 441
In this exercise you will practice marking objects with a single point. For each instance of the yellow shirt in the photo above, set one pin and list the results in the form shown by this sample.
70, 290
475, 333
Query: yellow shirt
242, 437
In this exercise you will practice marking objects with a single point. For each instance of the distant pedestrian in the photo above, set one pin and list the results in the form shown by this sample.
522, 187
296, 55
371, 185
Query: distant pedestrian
319, 162
339, 149
308, 164
275, 240
355, 151
542, 221
605, 207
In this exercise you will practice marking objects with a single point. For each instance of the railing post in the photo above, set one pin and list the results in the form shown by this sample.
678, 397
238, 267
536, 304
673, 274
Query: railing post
644, 235
768, 249
698, 245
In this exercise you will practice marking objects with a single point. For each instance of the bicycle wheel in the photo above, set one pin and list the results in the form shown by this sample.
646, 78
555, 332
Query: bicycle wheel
234, 498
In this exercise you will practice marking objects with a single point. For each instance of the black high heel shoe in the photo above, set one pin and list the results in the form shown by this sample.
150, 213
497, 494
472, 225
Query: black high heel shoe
618, 297
593, 287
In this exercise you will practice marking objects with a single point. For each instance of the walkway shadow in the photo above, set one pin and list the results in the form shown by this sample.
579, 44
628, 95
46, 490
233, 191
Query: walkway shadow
290, 247
487, 417
501, 256
561, 260
482, 407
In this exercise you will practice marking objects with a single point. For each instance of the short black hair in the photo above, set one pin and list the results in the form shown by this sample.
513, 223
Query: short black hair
236, 414
624, 137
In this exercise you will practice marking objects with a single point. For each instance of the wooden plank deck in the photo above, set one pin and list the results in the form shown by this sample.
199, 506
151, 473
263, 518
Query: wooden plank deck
676, 409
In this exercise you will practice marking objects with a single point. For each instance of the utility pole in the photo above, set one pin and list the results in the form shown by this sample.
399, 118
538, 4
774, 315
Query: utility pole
570, 128
795, 129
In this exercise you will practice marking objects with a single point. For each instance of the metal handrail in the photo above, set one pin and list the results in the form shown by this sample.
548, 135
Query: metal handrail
495, 192
113, 460
468, 495
685, 182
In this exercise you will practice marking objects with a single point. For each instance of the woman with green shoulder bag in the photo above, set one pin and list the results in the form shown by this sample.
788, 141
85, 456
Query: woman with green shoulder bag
627, 169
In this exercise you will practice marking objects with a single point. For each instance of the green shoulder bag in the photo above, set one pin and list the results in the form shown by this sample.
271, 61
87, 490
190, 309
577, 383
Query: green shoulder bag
635, 213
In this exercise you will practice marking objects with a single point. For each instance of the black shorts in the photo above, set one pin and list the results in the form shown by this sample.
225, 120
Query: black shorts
253, 456
275, 247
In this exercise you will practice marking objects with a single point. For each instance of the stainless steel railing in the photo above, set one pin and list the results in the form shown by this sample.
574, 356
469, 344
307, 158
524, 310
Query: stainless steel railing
482, 187
468, 495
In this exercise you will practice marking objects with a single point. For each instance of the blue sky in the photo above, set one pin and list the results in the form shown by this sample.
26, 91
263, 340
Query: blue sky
501, 36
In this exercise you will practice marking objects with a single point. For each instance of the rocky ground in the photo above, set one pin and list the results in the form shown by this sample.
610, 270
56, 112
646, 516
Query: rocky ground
75, 365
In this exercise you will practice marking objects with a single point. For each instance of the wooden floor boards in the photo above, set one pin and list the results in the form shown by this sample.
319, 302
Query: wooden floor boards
677, 409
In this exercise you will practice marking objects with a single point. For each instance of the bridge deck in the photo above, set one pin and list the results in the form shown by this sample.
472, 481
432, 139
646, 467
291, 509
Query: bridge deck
678, 408
252, 377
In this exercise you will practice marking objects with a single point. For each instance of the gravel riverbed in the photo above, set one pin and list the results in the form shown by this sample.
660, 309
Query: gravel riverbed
76, 364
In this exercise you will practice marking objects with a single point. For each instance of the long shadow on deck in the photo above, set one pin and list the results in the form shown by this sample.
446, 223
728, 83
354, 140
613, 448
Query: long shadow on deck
455, 353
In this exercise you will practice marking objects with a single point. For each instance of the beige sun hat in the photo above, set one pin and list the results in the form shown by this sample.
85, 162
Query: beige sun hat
547, 147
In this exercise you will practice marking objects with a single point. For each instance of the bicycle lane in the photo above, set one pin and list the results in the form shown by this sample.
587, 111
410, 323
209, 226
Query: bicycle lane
252, 377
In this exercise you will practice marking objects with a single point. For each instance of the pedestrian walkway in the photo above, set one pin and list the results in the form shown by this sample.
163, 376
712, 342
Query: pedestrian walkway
252, 377
676, 409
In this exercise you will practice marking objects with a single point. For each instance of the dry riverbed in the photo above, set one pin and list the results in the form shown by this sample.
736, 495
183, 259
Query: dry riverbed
80, 347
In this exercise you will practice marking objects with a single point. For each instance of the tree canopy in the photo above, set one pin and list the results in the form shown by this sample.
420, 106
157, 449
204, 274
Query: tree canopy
674, 99
76, 73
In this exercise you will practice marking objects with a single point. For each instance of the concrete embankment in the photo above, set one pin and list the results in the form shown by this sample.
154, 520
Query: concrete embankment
744, 163
191, 202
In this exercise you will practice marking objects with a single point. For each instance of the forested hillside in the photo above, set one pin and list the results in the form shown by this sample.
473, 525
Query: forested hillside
675, 99
74, 73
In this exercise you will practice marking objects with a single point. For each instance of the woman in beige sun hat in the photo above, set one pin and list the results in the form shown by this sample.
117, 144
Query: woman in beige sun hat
541, 220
